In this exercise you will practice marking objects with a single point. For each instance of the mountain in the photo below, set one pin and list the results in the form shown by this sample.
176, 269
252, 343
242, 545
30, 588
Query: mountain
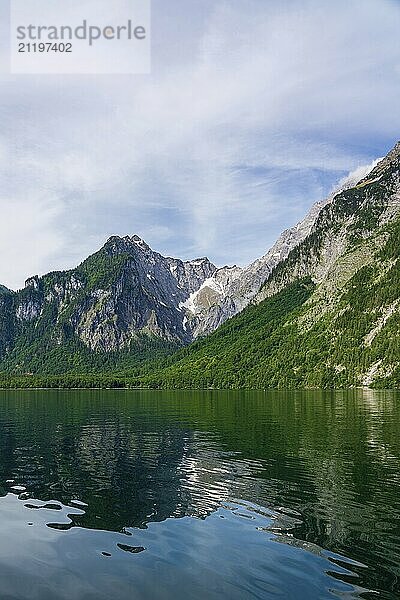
328, 314
320, 309
125, 298
216, 300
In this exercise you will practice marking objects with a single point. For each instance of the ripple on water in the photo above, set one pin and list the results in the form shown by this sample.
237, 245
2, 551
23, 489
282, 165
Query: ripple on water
236, 556
325, 464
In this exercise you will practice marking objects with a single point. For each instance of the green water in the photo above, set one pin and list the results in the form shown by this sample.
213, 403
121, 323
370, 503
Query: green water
199, 495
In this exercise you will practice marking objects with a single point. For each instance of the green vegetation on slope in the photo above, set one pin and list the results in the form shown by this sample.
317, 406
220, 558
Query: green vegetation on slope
297, 339
229, 358
47, 345
294, 339
342, 333
244, 351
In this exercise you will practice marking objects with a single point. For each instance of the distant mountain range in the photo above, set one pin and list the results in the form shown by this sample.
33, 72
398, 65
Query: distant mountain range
320, 309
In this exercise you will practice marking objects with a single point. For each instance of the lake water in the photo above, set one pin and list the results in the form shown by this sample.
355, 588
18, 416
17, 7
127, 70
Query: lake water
199, 495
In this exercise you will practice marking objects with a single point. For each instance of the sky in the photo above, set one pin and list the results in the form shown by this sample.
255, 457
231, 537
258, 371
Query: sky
254, 110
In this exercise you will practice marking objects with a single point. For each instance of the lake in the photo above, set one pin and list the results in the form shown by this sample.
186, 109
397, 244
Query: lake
199, 495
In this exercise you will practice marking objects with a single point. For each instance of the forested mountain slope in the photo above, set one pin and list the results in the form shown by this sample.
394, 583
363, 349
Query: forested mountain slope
328, 315
119, 307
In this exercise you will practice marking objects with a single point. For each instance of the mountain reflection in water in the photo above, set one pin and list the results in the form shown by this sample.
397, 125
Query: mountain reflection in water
186, 494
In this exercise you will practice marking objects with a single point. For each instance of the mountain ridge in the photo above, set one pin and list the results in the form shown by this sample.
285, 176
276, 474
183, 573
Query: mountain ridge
126, 304
123, 296
328, 314
244, 288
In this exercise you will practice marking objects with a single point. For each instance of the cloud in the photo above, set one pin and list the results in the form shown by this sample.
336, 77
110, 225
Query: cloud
253, 111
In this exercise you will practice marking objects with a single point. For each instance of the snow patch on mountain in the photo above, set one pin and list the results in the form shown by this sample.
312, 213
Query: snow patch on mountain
209, 310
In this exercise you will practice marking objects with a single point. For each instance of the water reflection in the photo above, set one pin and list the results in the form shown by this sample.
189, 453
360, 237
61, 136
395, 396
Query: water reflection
231, 554
326, 466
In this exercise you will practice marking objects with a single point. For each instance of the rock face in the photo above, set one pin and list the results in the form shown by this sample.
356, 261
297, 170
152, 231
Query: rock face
124, 293
143, 295
328, 314
128, 297
215, 303
6, 320
355, 214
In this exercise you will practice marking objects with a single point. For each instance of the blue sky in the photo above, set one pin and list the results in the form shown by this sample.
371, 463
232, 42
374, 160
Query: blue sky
253, 111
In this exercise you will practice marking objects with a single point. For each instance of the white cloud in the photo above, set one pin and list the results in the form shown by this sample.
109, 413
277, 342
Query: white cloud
247, 119
355, 176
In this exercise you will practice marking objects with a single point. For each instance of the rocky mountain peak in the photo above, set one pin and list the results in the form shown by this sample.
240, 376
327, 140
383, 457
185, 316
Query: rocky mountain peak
32, 282
117, 244
127, 292
213, 303
198, 261
390, 161
138, 241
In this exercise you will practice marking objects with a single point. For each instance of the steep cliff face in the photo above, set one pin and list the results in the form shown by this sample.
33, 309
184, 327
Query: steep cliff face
122, 295
328, 314
203, 307
213, 304
7, 321
129, 301
352, 217
142, 296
